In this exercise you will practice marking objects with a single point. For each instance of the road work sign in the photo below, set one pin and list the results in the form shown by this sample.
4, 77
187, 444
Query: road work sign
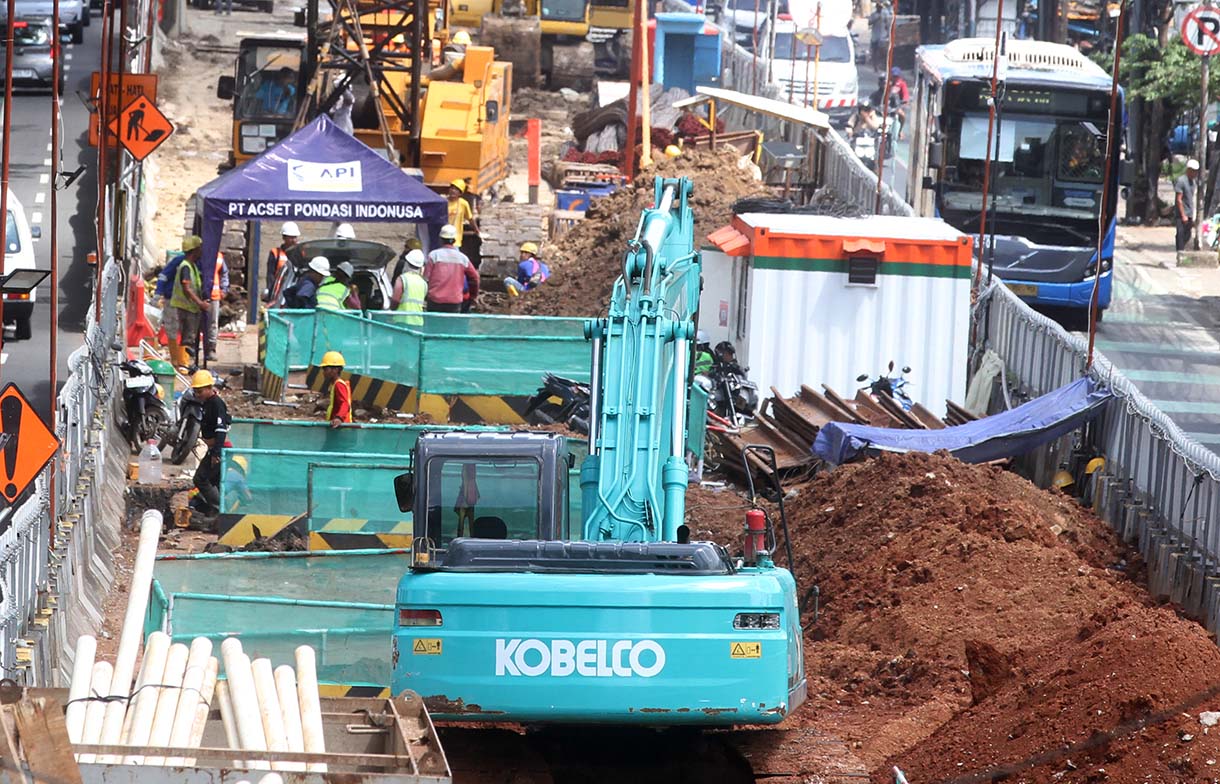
134, 85
1201, 30
141, 128
26, 444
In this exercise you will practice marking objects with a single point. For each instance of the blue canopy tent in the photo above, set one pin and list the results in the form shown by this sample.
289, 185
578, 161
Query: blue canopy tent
1006, 434
318, 173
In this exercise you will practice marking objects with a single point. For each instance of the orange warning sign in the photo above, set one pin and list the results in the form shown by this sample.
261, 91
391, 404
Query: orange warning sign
26, 444
141, 128
134, 85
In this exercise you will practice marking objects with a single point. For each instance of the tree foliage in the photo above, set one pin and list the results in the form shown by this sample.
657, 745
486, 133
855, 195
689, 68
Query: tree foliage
1170, 74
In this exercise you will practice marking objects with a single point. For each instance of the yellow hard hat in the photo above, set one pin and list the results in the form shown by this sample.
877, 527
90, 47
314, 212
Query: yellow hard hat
191, 242
202, 378
1095, 465
461, 38
332, 359
673, 151
1063, 479
529, 247
460, 184
241, 461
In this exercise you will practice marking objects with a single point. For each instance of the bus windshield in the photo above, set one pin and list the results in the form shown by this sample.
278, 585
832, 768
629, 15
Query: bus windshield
1044, 166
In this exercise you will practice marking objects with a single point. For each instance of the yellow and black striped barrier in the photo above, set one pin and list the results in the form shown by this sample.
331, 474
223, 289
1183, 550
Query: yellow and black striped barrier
348, 690
337, 533
441, 409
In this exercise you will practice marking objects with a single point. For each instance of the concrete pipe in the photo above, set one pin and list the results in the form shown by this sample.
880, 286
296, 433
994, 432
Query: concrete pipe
290, 706
203, 708
311, 705
245, 700
82, 674
227, 720
133, 631
167, 701
95, 712
144, 705
269, 708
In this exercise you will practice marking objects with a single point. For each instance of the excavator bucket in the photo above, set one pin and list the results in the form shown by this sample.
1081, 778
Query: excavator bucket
518, 40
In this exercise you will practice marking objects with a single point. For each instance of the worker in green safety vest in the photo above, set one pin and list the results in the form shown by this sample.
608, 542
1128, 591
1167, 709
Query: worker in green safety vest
337, 293
411, 290
186, 305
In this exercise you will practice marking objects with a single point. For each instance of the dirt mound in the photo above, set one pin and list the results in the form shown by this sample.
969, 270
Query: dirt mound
587, 260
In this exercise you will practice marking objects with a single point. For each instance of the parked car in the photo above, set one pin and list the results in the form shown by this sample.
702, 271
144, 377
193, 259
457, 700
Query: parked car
19, 254
373, 263
73, 15
32, 66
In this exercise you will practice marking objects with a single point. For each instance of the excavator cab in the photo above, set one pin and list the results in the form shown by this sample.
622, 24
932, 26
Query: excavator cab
265, 89
484, 485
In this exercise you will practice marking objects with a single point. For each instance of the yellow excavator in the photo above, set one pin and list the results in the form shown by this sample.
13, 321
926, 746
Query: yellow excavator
556, 42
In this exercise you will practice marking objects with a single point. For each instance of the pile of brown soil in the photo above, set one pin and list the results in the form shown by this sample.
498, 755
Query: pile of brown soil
587, 260
970, 620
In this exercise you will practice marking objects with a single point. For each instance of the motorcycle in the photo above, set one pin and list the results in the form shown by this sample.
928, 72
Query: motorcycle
188, 422
893, 387
731, 395
560, 401
145, 414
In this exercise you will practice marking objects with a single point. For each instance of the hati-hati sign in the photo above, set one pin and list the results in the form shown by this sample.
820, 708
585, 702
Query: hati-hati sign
341, 177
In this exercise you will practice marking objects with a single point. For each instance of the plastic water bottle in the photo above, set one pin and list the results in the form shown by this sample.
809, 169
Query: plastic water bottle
150, 464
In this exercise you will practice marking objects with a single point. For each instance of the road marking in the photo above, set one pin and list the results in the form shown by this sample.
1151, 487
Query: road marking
46, 161
68, 56
35, 217
3, 357
48, 148
1187, 407
39, 198
1171, 377
44, 178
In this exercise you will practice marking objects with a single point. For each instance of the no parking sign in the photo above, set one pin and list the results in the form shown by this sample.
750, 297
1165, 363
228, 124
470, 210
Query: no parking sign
1201, 30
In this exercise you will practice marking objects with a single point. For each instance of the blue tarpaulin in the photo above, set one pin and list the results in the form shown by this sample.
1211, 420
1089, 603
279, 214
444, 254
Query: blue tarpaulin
1006, 434
318, 173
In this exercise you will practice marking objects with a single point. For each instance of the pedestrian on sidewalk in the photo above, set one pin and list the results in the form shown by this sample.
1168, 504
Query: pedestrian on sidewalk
450, 275
182, 312
220, 287
339, 410
214, 430
1184, 203
276, 259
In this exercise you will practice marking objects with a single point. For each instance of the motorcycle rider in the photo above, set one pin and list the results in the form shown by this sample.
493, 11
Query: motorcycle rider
865, 120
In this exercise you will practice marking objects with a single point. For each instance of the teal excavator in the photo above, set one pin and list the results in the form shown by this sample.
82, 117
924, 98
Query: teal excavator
512, 611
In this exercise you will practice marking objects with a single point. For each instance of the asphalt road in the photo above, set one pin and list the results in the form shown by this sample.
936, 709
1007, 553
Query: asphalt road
26, 362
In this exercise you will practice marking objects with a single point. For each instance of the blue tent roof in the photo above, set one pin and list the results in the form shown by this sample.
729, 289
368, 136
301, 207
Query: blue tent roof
1006, 434
318, 173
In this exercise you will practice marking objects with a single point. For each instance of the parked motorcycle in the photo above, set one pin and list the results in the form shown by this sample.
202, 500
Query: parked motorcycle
893, 387
188, 421
731, 395
560, 401
145, 414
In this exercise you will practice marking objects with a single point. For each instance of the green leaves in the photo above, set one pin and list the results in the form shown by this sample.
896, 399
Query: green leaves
1171, 74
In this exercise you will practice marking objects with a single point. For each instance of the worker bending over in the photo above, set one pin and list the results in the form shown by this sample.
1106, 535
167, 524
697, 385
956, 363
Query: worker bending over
339, 410
337, 292
304, 293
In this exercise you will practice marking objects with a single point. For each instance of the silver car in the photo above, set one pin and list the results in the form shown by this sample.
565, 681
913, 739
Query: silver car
32, 66
73, 15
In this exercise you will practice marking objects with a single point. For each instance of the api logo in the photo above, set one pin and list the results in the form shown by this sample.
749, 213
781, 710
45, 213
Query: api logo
585, 658
342, 177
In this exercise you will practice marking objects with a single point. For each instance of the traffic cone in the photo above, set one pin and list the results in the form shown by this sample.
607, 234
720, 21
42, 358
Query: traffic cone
138, 327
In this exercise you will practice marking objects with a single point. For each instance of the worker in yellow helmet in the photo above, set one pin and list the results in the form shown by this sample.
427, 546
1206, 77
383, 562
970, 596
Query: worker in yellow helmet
339, 411
461, 215
532, 271
214, 429
456, 48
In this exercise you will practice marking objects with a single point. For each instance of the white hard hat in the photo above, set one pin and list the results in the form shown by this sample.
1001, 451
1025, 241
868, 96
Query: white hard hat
320, 265
290, 229
449, 232
1192, 164
345, 232
415, 258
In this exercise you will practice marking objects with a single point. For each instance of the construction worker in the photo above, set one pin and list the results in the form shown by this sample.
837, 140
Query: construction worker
449, 275
220, 287
213, 431
186, 305
531, 271
460, 213
410, 289
277, 258
339, 410
237, 489
337, 292
304, 293
704, 360
456, 48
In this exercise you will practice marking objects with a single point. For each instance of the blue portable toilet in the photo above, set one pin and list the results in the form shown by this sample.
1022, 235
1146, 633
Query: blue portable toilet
687, 52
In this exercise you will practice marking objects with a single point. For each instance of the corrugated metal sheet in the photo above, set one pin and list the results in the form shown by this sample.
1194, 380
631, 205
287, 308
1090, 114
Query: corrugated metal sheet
807, 327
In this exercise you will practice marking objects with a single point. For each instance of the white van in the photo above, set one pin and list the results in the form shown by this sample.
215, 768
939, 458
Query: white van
18, 308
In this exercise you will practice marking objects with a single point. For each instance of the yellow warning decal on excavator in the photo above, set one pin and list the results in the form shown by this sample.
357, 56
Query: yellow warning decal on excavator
426, 646
745, 650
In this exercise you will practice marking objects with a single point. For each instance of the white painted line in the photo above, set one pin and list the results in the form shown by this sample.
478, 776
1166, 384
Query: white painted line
39, 198
68, 56
44, 178
35, 217
3, 357
48, 148
46, 161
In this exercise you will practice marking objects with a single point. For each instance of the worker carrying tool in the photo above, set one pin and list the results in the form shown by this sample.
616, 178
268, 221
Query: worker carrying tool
411, 290
339, 410
450, 275
532, 272
183, 287
304, 293
290, 233
213, 431
337, 292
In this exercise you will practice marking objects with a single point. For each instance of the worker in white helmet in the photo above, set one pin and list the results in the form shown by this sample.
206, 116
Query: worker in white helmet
304, 293
411, 290
277, 261
344, 231
452, 279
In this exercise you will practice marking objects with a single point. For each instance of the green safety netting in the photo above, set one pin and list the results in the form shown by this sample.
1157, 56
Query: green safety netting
341, 603
290, 336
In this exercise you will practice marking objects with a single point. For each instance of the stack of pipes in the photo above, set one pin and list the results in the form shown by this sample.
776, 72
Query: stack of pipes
261, 709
